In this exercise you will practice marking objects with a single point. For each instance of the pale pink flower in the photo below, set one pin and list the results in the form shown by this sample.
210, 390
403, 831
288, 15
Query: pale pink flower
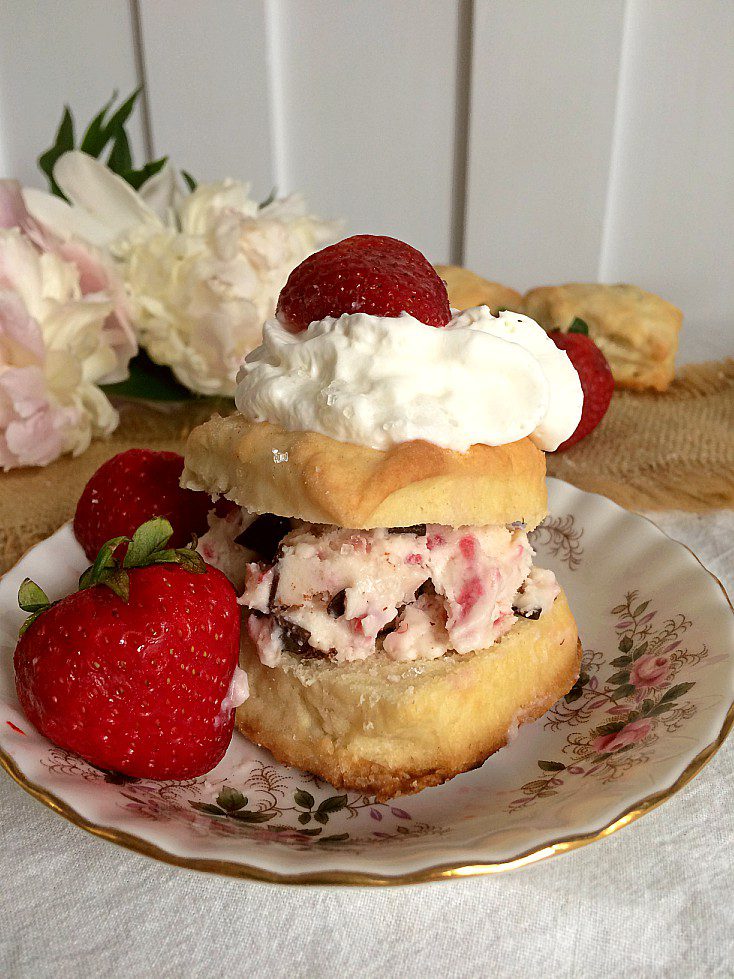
57, 343
650, 671
630, 734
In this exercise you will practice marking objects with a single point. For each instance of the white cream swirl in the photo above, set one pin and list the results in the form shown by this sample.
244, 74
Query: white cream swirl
378, 381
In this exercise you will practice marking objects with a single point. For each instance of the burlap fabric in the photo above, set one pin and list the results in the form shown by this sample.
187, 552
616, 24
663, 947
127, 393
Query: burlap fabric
661, 451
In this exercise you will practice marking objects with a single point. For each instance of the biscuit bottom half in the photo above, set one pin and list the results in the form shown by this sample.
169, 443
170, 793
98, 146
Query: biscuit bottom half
390, 728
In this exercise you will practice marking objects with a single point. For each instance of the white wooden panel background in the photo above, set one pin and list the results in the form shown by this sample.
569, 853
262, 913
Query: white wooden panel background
536, 141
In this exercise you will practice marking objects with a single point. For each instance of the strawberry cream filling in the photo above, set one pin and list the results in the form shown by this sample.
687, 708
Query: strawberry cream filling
409, 593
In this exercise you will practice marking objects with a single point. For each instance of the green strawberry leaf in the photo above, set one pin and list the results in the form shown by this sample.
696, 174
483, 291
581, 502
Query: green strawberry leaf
625, 644
578, 326
31, 598
105, 560
149, 538
118, 582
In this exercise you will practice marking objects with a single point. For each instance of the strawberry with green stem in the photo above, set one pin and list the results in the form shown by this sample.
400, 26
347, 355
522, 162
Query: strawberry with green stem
136, 670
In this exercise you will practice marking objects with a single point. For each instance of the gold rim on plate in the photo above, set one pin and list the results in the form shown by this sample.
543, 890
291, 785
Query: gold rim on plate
442, 871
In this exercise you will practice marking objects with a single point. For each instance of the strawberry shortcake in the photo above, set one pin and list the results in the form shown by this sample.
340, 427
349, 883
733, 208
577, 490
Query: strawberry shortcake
384, 468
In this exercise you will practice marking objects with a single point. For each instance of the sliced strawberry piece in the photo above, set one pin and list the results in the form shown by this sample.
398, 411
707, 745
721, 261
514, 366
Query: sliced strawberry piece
364, 274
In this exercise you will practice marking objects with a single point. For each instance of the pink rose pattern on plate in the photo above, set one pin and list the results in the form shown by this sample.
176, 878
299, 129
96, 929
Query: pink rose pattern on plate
620, 705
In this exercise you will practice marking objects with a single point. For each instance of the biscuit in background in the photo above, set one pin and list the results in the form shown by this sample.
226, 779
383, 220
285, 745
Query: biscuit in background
468, 289
636, 331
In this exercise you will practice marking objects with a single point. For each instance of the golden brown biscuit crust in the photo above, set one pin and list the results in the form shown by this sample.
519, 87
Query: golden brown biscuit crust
311, 477
636, 331
388, 729
468, 289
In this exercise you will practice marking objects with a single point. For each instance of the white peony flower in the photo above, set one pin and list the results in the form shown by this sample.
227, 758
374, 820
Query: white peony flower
203, 271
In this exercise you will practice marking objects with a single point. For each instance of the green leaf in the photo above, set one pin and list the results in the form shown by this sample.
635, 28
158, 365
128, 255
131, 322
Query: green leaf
662, 708
31, 598
150, 537
117, 121
303, 799
190, 560
314, 831
621, 677
640, 609
622, 661
677, 691
120, 160
30, 620
269, 199
231, 799
647, 705
338, 837
579, 326
148, 381
103, 561
551, 766
575, 692
136, 178
248, 816
624, 691
613, 727
304, 818
97, 136
118, 582
640, 651
618, 609
189, 181
333, 804
321, 817
206, 807
63, 142
625, 644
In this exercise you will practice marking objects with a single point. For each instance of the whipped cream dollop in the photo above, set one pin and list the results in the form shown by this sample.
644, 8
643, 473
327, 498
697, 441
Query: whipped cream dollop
378, 381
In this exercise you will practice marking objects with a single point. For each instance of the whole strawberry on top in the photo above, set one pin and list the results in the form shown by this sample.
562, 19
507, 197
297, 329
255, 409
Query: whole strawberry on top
136, 671
594, 373
364, 274
129, 489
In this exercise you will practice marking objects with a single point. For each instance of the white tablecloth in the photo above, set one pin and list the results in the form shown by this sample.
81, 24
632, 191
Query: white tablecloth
656, 899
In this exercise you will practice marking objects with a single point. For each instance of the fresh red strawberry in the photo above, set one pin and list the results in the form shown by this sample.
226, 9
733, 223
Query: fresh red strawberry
129, 489
364, 274
133, 672
594, 373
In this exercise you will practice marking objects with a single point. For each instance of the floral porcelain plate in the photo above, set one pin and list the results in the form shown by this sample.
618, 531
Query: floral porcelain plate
652, 704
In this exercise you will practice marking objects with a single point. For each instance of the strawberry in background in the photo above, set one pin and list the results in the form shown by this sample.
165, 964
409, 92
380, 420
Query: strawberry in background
594, 373
133, 487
